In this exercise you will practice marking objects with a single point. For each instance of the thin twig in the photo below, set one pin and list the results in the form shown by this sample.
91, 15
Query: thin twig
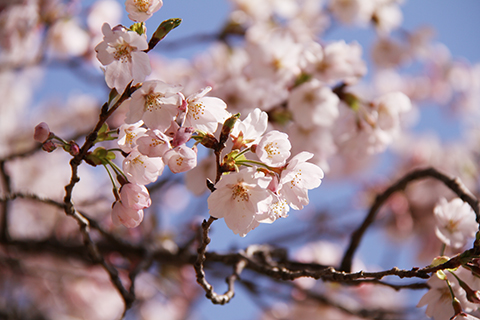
7, 188
81, 220
451, 182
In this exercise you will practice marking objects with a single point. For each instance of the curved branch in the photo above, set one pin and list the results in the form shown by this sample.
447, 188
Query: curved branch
451, 182
199, 269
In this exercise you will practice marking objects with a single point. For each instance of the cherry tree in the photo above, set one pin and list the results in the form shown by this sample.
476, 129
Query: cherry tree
278, 160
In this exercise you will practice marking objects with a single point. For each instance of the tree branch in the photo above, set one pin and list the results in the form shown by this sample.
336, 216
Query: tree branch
451, 182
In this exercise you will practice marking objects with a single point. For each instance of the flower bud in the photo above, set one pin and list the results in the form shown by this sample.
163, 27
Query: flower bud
74, 148
49, 146
42, 132
182, 136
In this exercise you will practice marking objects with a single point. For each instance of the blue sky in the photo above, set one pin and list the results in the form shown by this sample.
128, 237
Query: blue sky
457, 26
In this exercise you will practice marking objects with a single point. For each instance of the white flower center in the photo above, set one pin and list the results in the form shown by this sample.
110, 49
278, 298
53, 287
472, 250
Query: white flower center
279, 207
138, 161
156, 142
179, 161
240, 192
296, 180
196, 111
129, 136
142, 5
152, 102
123, 52
271, 149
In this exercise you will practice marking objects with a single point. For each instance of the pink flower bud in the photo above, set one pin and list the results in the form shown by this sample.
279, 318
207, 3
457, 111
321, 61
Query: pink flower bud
74, 148
182, 136
42, 132
135, 196
49, 146
130, 218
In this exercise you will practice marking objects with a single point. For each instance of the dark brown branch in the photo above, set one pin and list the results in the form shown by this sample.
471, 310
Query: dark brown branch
200, 272
451, 182
199, 269
81, 220
7, 188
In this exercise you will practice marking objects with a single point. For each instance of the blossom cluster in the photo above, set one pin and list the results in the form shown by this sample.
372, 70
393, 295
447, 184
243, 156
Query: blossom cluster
264, 191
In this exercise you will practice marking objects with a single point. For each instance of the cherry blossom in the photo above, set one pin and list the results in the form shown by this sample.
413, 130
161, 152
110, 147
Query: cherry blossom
121, 54
42, 132
128, 135
249, 131
127, 216
352, 11
274, 148
141, 169
239, 198
455, 222
340, 62
135, 196
298, 177
141, 10
313, 104
181, 158
204, 113
153, 144
156, 103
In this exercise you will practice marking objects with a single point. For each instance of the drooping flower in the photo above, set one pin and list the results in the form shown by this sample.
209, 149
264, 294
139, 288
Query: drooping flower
298, 177
121, 52
204, 113
455, 222
135, 196
141, 10
239, 198
141, 169
181, 158
127, 216
156, 103
274, 148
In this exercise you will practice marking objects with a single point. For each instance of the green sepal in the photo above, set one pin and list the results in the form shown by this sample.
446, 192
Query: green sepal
302, 78
139, 27
227, 128
104, 134
100, 156
163, 29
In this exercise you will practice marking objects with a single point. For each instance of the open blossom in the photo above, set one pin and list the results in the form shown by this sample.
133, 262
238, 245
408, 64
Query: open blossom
181, 158
141, 10
298, 177
153, 144
121, 51
127, 216
340, 62
156, 103
439, 297
141, 169
313, 104
204, 113
239, 198
455, 222
128, 135
249, 130
274, 148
